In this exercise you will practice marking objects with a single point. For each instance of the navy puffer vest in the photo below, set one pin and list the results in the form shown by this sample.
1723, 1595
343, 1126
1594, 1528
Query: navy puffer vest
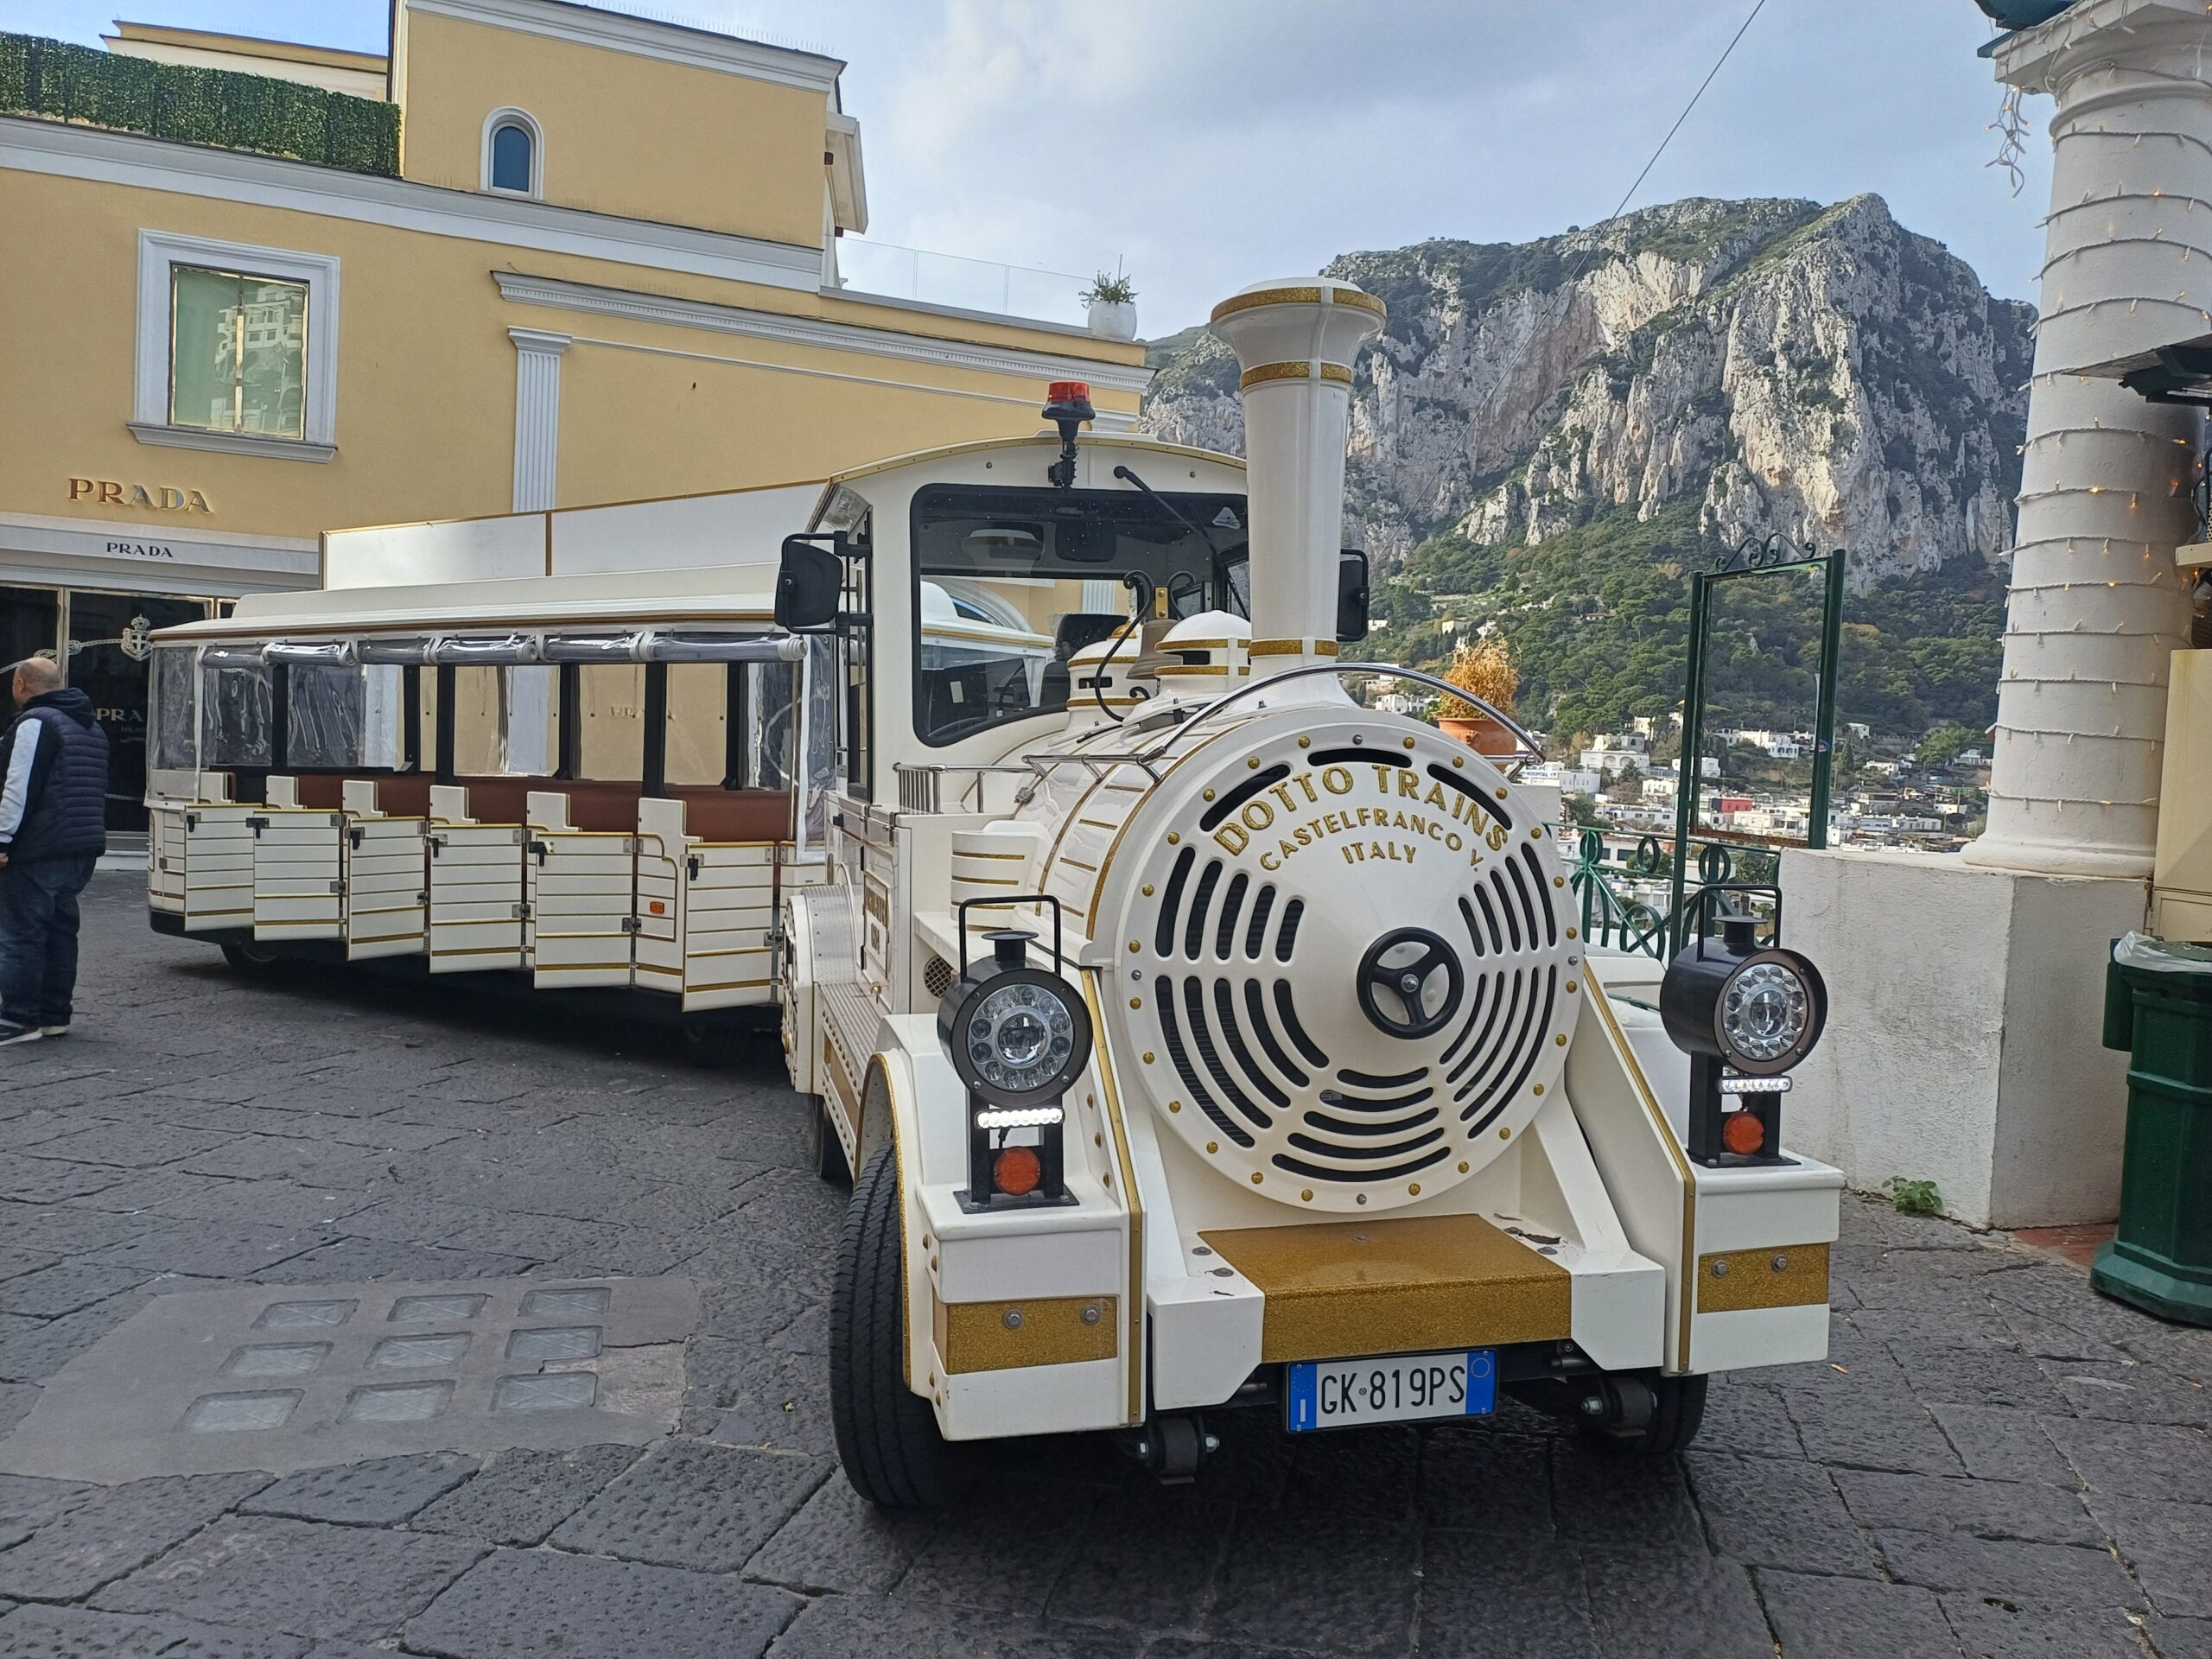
67, 815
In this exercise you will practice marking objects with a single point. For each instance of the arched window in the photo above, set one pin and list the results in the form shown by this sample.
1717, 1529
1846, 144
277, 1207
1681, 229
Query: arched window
514, 157
509, 158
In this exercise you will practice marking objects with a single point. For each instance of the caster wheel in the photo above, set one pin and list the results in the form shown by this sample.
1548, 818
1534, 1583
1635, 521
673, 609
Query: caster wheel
887, 1436
1671, 1410
707, 1046
252, 960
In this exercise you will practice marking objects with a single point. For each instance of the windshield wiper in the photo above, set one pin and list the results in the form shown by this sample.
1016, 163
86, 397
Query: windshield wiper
1213, 547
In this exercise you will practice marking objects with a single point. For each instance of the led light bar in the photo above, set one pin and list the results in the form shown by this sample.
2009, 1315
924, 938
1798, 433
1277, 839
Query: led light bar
1755, 1085
1026, 1118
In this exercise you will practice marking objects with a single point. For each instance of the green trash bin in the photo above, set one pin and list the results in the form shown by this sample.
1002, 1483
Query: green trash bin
2158, 1008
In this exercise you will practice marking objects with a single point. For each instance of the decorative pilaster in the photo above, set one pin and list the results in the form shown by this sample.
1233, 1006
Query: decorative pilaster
2097, 609
537, 416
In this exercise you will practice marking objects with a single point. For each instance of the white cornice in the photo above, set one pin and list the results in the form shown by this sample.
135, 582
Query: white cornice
231, 443
644, 37
31, 145
820, 334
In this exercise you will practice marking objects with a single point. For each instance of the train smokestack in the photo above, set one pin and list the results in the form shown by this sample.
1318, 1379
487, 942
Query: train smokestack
1294, 342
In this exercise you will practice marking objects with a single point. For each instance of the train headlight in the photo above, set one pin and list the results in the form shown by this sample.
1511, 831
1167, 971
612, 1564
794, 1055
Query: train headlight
1746, 1014
1018, 1037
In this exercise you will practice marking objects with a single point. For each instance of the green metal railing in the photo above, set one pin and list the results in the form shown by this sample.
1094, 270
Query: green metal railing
1625, 921
1603, 879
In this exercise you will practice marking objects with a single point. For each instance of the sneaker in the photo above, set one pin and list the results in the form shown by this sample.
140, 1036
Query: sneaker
54, 1030
10, 1032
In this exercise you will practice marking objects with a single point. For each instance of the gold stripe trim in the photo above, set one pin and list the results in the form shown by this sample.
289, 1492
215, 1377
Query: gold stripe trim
1166, 670
840, 1083
726, 985
1259, 374
1315, 295
975, 1337
1337, 1290
1292, 647
963, 852
1099, 1051
986, 881
1729, 1282
1686, 1299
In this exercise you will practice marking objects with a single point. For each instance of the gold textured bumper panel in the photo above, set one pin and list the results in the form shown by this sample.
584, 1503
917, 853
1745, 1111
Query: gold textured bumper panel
1336, 1290
1004, 1336
1787, 1275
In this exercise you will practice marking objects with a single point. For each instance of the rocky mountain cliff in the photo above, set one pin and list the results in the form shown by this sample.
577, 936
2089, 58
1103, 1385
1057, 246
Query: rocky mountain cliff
1821, 372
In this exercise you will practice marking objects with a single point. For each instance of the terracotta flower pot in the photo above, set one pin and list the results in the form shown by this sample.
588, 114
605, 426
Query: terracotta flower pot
1481, 734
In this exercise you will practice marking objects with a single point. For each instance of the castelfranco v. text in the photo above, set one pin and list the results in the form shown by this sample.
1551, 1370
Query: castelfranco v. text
1297, 815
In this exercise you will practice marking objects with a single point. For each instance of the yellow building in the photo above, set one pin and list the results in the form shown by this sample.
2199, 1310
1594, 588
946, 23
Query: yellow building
541, 255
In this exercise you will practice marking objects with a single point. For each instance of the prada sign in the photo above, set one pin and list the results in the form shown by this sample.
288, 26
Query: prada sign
143, 497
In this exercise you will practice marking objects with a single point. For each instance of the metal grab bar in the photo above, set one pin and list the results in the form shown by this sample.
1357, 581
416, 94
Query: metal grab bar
1526, 748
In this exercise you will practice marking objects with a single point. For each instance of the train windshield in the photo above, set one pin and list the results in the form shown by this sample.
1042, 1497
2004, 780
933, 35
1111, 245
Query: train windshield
1009, 583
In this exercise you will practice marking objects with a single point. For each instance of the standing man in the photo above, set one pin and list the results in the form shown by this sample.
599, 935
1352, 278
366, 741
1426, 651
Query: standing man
53, 829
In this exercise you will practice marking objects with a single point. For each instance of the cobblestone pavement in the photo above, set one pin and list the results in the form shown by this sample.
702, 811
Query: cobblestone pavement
1996, 1463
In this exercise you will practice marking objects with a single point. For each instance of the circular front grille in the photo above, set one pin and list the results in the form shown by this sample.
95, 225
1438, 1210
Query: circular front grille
1347, 967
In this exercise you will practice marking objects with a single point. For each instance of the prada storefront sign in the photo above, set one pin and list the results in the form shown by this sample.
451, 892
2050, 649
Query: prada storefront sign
139, 498
191, 554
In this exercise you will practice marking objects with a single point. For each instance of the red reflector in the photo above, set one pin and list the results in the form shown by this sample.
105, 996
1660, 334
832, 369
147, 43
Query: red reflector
1742, 1133
657, 908
1016, 1172
1068, 391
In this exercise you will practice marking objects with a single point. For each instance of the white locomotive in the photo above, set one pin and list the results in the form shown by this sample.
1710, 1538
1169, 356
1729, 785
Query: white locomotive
1198, 1039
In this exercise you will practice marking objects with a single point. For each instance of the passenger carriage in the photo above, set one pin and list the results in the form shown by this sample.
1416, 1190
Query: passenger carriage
1195, 1037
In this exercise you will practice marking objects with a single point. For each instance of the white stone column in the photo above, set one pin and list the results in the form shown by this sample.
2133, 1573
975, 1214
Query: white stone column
537, 416
2096, 608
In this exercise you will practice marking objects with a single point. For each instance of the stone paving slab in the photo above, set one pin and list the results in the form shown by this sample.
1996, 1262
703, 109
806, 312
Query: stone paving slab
1994, 1464
288, 1377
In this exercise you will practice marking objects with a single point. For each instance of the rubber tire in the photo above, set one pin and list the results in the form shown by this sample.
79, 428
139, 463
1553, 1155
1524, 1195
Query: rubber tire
252, 961
709, 1047
1676, 1417
887, 1436
823, 1149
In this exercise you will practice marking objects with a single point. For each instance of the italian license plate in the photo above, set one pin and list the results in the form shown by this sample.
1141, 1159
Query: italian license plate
1345, 1392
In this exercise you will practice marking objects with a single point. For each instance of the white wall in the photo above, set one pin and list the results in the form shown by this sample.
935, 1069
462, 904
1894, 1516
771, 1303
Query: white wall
1966, 1012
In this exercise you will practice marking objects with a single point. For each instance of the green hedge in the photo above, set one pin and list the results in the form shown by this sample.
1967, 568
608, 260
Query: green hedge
219, 107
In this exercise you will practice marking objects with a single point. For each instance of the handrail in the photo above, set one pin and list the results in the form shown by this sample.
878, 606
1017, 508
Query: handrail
1527, 749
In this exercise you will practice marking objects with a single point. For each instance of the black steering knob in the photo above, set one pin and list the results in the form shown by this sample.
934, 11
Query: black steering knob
1410, 982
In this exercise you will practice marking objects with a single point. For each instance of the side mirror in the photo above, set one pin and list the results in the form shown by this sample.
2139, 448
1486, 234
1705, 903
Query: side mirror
810, 585
1351, 596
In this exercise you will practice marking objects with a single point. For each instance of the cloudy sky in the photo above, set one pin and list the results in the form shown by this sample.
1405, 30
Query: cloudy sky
1205, 145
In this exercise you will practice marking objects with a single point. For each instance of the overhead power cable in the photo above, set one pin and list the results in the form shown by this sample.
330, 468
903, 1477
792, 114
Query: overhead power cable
1628, 195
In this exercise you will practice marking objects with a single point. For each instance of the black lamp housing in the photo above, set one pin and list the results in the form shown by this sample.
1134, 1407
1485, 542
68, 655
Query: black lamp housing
1692, 997
989, 1105
1067, 406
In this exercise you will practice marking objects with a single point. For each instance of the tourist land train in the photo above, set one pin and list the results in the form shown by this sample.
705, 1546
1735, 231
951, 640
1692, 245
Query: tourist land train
1194, 1037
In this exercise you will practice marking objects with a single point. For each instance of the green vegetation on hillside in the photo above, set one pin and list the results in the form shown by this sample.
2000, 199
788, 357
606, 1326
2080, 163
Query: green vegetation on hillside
1598, 615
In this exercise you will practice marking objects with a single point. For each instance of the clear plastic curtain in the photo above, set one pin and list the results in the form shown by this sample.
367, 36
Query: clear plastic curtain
175, 720
820, 744
235, 720
324, 705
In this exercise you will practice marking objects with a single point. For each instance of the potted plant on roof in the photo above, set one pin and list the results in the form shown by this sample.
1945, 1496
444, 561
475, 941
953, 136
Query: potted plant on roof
1112, 299
1483, 669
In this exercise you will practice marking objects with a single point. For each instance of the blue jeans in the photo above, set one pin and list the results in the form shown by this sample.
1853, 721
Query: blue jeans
38, 938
